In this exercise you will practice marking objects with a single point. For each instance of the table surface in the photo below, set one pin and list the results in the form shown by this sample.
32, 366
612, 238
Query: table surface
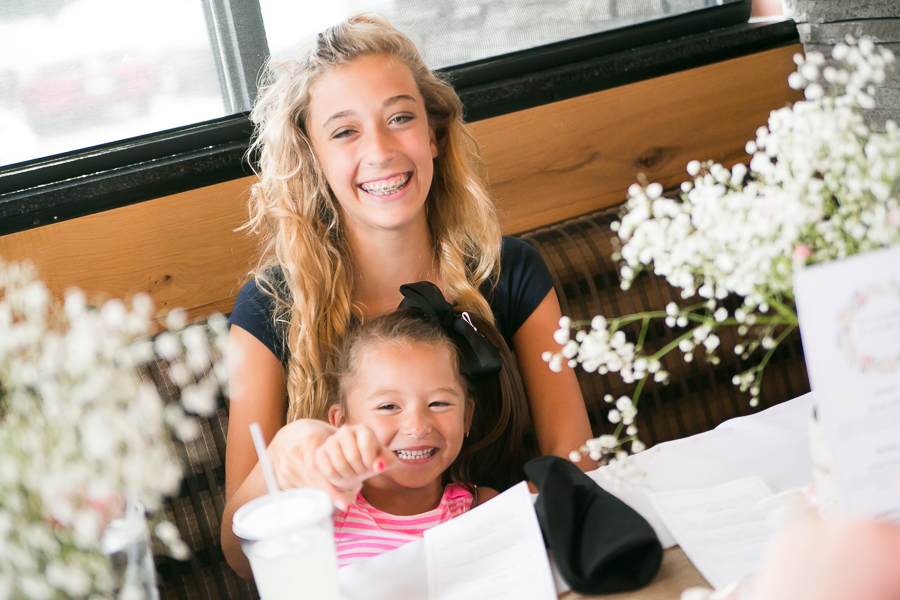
675, 575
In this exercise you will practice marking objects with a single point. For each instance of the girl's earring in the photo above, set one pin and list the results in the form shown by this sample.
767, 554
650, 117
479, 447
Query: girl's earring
467, 433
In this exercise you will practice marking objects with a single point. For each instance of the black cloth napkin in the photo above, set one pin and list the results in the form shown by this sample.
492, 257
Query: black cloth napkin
600, 544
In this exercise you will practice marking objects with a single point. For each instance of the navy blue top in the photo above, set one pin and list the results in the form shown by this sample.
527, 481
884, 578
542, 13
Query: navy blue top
523, 283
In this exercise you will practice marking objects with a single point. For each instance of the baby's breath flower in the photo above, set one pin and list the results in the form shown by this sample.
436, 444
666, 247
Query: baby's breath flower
608, 442
561, 336
90, 432
556, 363
820, 185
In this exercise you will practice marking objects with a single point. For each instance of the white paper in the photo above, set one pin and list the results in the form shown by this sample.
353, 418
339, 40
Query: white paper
723, 530
772, 444
493, 551
850, 322
394, 575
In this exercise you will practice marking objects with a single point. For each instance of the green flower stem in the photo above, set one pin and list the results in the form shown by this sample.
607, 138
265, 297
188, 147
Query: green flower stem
637, 390
672, 345
762, 365
624, 441
615, 324
645, 325
634, 400
783, 310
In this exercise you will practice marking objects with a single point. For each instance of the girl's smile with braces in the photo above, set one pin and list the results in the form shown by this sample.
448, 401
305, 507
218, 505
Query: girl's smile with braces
383, 187
415, 454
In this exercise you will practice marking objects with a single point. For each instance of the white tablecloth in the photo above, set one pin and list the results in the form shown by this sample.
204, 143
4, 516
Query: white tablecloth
773, 444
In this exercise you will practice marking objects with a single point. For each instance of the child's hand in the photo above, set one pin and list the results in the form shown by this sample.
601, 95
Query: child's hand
292, 453
351, 455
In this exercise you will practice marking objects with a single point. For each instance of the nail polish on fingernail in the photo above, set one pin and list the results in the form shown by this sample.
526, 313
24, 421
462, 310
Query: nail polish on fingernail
379, 466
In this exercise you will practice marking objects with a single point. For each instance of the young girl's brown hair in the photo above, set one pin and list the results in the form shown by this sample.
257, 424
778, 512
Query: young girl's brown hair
306, 264
493, 453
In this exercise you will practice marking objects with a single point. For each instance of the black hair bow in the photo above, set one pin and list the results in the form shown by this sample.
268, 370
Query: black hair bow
478, 357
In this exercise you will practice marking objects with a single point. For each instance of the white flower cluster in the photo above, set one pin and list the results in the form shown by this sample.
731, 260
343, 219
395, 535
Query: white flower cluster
602, 349
820, 185
80, 432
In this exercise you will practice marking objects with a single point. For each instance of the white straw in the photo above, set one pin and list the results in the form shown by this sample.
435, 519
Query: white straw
259, 442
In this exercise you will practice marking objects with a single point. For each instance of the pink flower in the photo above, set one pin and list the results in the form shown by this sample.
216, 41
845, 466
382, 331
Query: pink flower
893, 217
801, 253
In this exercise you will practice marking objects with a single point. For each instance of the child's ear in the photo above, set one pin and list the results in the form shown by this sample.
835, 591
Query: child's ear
470, 410
432, 138
336, 415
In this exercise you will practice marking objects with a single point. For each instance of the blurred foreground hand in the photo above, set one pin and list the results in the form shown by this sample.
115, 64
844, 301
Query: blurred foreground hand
832, 560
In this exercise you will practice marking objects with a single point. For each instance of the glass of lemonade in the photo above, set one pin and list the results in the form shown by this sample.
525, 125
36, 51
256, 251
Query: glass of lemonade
289, 539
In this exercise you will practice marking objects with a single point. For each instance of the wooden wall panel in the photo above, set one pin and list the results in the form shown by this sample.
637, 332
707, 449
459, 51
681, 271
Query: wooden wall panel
568, 158
546, 164
182, 249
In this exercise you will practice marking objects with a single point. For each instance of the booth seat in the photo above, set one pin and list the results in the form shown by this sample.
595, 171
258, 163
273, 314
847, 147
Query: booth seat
579, 253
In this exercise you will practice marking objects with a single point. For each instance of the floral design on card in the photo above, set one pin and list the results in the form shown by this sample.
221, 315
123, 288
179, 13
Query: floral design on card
869, 329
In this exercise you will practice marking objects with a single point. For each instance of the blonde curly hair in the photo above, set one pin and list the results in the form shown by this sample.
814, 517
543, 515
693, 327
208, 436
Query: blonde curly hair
294, 211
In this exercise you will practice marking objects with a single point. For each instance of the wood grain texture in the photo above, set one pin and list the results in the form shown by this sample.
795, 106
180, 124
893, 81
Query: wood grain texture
546, 164
181, 249
676, 574
568, 158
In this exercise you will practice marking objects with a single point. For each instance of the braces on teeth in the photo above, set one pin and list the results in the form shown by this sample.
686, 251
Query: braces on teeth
414, 455
383, 188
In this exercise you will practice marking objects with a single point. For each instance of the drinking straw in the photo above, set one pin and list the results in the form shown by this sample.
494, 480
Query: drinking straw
259, 442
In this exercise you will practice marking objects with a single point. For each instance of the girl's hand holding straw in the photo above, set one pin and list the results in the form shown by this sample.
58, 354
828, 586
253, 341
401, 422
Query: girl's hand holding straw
350, 456
312, 453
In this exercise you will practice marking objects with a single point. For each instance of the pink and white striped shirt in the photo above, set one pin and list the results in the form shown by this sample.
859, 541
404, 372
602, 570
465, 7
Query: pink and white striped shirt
363, 531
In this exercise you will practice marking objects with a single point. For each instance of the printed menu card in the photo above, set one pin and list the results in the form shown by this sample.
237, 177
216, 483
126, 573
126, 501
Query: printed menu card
724, 529
493, 551
849, 313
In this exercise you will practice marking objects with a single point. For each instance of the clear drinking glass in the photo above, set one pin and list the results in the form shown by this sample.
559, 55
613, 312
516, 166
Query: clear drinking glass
288, 538
126, 541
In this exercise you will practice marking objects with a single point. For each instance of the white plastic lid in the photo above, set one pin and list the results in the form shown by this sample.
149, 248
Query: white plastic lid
274, 514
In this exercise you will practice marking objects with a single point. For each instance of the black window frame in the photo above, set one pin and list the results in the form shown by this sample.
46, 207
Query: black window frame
83, 182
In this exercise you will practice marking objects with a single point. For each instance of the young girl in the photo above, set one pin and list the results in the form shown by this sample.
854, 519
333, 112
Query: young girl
369, 180
403, 454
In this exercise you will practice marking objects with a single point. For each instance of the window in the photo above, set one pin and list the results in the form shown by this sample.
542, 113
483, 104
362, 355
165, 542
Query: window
105, 103
452, 32
78, 73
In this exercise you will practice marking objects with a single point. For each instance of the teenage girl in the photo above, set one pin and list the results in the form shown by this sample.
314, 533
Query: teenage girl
369, 180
